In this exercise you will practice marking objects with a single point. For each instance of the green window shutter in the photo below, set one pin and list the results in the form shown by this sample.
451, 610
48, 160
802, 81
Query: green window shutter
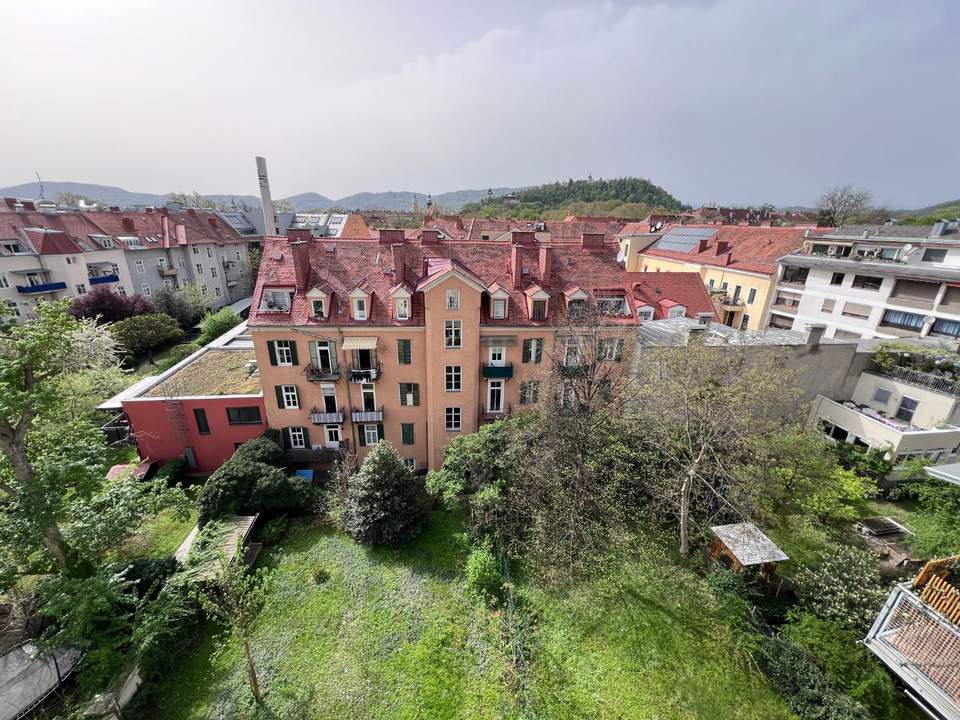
293, 352
524, 387
362, 433
285, 438
272, 351
403, 352
539, 353
407, 434
379, 431
314, 355
279, 391
526, 351
416, 393
333, 355
534, 391
306, 437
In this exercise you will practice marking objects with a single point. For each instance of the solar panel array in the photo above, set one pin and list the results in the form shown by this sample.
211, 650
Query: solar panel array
683, 239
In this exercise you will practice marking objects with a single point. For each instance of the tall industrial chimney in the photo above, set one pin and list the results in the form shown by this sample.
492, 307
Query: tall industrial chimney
266, 203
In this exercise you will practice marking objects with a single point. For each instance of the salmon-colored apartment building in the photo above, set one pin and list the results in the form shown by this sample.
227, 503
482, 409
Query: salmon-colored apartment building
417, 336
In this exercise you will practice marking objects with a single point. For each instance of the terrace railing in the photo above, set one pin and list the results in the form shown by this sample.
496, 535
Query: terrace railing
939, 383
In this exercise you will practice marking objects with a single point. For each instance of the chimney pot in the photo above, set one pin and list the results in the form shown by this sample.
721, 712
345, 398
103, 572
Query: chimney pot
815, 334
589, 241
389, 236
430, 237
546, 265
515, 266
704, 319
300, 250
523, 237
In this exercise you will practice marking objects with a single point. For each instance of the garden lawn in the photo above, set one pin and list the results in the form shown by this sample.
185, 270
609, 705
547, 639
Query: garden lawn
160, 535
392, 634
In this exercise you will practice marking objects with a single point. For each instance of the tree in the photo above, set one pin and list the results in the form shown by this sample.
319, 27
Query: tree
75, 200
193, 200
386, 504
845, 587
33, 358
107, 306
236, 601
142, 334
842, 203
216, 324
937, 528
186, 304
283, 205
707, 410
254, 256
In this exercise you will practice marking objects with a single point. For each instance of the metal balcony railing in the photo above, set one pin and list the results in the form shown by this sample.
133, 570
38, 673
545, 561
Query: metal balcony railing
364, 375
921, 379
503, 370
103, 279
321, 417
488, 413
367, 416
41, 288
318, 374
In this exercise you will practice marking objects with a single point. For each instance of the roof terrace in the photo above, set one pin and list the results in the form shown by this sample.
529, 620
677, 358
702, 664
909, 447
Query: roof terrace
216, 371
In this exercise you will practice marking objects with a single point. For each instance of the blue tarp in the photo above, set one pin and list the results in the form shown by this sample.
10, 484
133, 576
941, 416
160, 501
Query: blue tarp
305, 474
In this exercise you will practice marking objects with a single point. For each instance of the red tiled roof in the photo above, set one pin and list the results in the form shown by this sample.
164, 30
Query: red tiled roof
750, 248
344, 264
553, 231
52, 242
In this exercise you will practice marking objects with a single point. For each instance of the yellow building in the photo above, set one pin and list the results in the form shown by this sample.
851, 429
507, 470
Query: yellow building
738, 263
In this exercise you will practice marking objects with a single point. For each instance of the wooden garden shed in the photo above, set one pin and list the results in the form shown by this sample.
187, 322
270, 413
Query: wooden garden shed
744, 545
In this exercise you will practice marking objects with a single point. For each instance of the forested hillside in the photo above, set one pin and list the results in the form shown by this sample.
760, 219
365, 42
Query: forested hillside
628, 197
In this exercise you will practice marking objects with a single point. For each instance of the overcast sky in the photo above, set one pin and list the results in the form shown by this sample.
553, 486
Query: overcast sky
735, 101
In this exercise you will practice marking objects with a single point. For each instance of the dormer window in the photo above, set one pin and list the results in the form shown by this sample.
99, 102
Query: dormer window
677, 311
499, 311
402, 307
318, 297
611, 304
539, 310
319, 311
498, 302
644, 313
359, 308
537, 299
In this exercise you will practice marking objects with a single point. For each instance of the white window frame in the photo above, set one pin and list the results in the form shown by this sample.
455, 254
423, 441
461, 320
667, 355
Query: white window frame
364, 389
453, 299
216, 291
145, 290
499, 385
497, 356
452, 334
4, 281
209, 252
199, 269
285, 357
162, 263
402, 306
332, 436
499, 310
452, 419
453, 378
751, 296
81, 289
913, 411
880, 389
140, 268
122, 291
322, 315
297, 438
366, 434
196, 250
411, 463
645, 313
213, 271
677, 311
359, 308
291, 397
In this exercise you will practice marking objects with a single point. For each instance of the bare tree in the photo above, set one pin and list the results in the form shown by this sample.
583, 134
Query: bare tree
842, 203
707, 410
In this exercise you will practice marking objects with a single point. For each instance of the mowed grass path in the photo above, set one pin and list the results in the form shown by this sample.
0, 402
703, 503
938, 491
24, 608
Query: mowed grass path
392, 634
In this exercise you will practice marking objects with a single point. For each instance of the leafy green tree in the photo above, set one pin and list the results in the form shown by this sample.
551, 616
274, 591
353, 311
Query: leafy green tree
142, 334
186, 304
193, 200
386, 504
34, 357
937, 521
81, 392
235, 602
845, 587
216, 324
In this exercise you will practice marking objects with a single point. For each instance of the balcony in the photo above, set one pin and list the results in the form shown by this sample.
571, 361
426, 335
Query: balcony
318, 453
321, 374
730, 303
41, 288
489, 415
504, 370
367, 416
103, 279
939, 383
320, 417
168, 272
364, 375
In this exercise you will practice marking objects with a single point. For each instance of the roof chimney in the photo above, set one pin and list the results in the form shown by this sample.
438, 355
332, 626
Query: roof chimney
546, 265
430, 237
299, 234
704, 318
128, 225
11, 202
696, 334
591, 241
399, 265
815, 334
515, 266
389, 236
523, 237
181, 234
266, 202
300, 250
165, 224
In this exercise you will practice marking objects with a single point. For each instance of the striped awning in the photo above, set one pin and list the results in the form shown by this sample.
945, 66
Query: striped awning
360, 343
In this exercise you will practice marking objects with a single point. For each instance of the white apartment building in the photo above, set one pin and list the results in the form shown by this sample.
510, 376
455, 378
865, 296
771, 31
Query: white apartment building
891, 281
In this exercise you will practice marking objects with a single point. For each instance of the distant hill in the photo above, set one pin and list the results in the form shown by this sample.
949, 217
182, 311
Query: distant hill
622, 197
110, 195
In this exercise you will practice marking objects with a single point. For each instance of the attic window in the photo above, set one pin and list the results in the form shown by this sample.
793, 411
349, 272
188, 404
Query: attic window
539, 310
402, 307
644, 313
319, 310
359, 308
499, 311
611, 304
677, 311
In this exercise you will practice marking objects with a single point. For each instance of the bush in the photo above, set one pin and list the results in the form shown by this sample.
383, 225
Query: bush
142, 334
837, 496
849, 664
275, 491
108, 306
938, 532
147, 574
806, 688
216, 324
172, 471
227, 491
181, 352
261, 449
865, 463
386, 505
845, 588
184, 304
484, 579
274, 530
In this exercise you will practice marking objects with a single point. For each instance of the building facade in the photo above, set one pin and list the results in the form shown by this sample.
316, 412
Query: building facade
59, 254
737, 263
418, 336
873, 282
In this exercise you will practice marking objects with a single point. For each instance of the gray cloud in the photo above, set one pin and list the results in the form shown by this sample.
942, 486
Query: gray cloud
734, 100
